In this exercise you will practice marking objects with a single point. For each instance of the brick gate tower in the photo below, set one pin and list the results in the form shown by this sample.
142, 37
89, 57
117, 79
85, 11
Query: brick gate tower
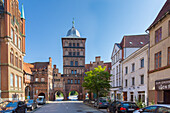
73, 62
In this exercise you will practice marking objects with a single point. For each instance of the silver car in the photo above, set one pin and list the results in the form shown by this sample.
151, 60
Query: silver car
159, 108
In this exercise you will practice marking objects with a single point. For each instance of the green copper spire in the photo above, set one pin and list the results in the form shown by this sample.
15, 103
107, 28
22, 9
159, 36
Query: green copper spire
22, 12
73, 22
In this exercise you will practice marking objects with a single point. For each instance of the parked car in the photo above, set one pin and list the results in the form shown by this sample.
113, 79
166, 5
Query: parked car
160, 108
13, 107
101, 102
122, 107
41, 100
31, 104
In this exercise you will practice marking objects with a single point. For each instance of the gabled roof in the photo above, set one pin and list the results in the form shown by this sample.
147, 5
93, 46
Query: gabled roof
28, 67
134, 41
164, 11
40, 65
118, 45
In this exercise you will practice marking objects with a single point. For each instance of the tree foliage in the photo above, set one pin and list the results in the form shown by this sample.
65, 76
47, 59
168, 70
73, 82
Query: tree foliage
97, 81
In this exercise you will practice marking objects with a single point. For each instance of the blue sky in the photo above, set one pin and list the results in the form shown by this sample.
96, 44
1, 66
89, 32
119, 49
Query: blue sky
102, 22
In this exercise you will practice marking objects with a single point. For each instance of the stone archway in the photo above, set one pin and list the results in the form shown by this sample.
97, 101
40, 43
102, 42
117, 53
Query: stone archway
73, 95
59, 96
42, 94
27, 92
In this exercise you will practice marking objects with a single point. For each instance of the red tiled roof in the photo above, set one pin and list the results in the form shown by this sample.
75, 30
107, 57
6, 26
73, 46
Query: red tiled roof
28, 67
165, 10
133, 41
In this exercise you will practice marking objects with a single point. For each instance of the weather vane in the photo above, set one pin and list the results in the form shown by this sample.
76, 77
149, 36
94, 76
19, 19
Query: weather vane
73, 22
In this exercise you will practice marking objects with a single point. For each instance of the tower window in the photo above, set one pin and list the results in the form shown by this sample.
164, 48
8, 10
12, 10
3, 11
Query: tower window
76, 63
70, 44
71, 63
75, 81
75, 71
72, 72
70, 53
78, 81
74, 44
77, 44
74, 53
78, 53
68, 81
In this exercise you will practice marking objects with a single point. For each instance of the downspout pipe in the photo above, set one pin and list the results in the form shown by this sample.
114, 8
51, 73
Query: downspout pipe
148, 68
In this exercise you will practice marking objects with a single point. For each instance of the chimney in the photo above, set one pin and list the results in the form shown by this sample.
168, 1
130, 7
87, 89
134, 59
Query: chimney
97, 59
54, 66
50, 61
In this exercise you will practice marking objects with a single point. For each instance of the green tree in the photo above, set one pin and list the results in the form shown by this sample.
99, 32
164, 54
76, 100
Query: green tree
97, 81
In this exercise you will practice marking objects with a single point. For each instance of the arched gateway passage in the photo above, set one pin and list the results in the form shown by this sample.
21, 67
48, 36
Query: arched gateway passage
73, 95
42, 94
59, 96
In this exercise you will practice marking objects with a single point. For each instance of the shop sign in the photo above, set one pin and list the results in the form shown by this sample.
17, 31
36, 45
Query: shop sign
162, 84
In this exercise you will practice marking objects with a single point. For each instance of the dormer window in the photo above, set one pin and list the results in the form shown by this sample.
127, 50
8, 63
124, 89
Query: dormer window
141, 42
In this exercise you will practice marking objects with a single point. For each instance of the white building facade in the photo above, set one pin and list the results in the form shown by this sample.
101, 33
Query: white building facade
135, 74
116, 71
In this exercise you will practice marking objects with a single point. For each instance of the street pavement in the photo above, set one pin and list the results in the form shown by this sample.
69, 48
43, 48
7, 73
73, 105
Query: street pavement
67, 107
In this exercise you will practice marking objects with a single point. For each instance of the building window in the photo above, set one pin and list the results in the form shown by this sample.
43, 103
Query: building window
169, 56
77, 44
142, 79
70, 44
12, 34
36, 79
78, 81
72, 72
158, 35
169, 28
75, 81
66, 43
36, 91
74, 44
133, 67
16, 81
141, 96
20, 82
70, 53
133, 81
66, 52
74, 53
76, 63
116, 70
71, 81
81, 53
20, 62
78, 53
126, 70
75, 71
12, 80
12, 57
71, 63
126, 83
16, 37
142, 63
42, 79
131, 96
16, 60
68, 81
158, 60
19, 43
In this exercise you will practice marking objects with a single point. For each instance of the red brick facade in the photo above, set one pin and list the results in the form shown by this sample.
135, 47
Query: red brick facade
12, 50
